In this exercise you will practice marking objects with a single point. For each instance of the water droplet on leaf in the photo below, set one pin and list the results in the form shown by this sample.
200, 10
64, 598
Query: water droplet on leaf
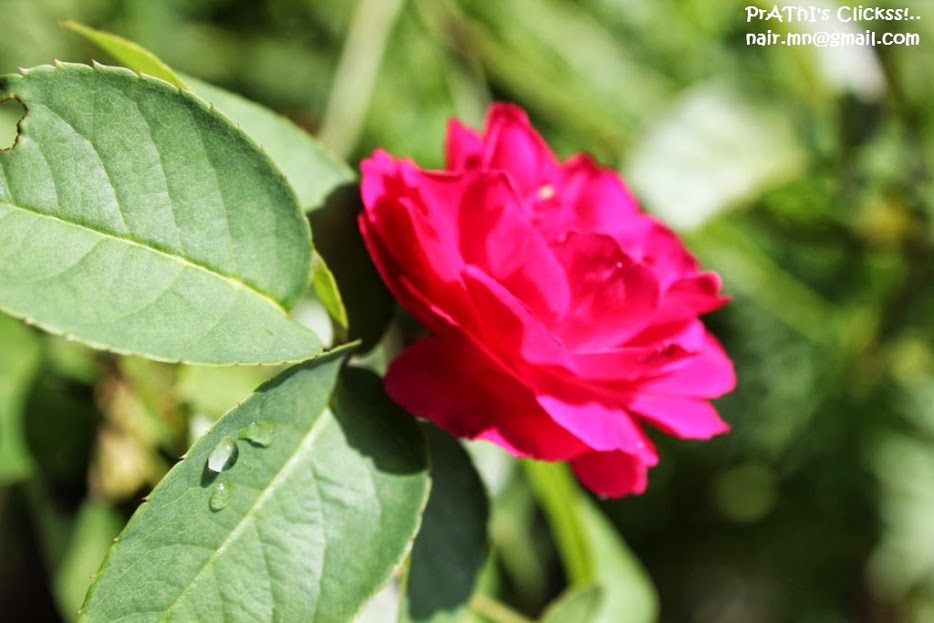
258, 433
223, 456
219, 497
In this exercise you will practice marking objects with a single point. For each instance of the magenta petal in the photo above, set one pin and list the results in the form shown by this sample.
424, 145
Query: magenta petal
648, 241
690, 296
474, 217
463, 148
397, 211
513, 145
611, 474
614, 297
461, 389
563, 319
687, 418
397, 224
509, 328
496, 233
589, 198
412, 252
629, 363
708, 373
687, 333
601, 426
376, 171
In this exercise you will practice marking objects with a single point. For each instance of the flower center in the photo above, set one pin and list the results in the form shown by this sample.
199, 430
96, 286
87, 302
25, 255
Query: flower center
546, 192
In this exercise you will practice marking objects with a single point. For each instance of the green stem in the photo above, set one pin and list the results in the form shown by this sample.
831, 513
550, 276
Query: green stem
356, 73
494, 610
557, 492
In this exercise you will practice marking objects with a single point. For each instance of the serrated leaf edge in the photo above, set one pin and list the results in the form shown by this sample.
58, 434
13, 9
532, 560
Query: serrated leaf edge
7, 92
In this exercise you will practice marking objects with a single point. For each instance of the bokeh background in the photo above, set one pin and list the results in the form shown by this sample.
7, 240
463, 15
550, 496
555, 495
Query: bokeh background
803, 175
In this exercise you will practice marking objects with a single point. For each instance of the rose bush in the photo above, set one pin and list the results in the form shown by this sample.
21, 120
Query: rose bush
562, 318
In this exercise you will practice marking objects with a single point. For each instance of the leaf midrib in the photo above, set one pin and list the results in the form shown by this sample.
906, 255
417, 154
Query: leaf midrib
304, 445
180, 259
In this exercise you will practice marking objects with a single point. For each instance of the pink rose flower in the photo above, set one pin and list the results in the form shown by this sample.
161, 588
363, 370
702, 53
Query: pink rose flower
562, 319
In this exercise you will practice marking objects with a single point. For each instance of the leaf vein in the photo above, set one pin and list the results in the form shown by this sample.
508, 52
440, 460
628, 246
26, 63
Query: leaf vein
165, 179
266, 566
179, 259
219, 189
284, 472
100, 161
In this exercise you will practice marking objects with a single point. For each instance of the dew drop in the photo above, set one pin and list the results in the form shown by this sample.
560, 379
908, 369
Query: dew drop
258, 433
219, 497
223, 456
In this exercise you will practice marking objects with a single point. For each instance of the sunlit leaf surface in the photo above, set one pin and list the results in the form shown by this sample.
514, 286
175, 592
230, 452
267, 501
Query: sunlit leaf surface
136, 219
296, 506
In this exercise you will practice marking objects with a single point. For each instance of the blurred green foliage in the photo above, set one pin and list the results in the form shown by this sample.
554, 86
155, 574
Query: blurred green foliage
805, 176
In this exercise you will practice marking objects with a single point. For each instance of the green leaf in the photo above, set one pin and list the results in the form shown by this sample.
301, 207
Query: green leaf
369, 304
322, 280
311, 170
575, 606
313, 173
94, 528
452, 541
556, 491
19, 361
136, 219
629, 596
524, 558
592, 552
129, 54
315, 508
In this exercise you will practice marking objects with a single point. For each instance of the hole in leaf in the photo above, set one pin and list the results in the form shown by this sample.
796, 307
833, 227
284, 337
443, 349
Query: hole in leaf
11, 112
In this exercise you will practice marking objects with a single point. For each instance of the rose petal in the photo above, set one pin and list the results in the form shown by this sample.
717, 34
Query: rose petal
629, 364
378, 173
652, 243
564, 319
685, 332
603, 427
682, 417
463, 147
435, 222
513, 145
427, 311
611, 474
523, 345
508, 327
497, 235
402, 288
415, 259
410, 224
587, 198
691, 296
613, 296
708, 373
464, 391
